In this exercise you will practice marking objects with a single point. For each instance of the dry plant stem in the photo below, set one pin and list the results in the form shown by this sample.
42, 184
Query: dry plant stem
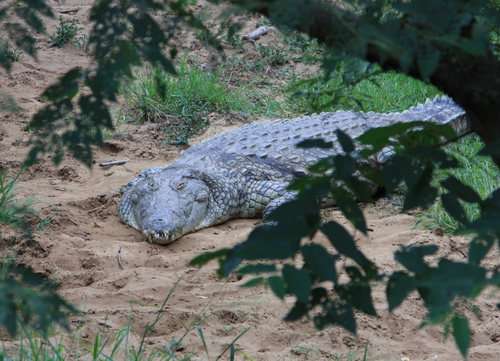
116, 162
68, 11
118, 257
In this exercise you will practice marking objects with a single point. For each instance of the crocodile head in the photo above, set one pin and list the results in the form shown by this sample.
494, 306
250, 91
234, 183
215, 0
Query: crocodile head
166, 205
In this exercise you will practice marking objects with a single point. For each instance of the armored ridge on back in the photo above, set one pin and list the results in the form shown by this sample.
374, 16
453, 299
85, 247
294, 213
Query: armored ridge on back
240, 173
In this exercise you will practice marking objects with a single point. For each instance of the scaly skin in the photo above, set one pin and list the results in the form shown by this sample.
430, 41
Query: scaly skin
241, 173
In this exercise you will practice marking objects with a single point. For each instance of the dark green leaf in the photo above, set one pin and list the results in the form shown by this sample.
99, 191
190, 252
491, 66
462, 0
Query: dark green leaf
440, 286
479, 247
67, 86
344, 244
229, 263
298, 311
254, 282
298, 282
413, 257
394, 172
357, 294
352, 212
399, 286
490, 214
277, 285
322, 166
344, 166
491, 149
362, 189
312, 187
420, 193
204, 258
268, 241
341, 240
461, 331
461, 190
320, 261
256, 269
345, 141
315, 143
298, 213
428, 60
435, 156
340, 314
319, 296
380, 137
453, 207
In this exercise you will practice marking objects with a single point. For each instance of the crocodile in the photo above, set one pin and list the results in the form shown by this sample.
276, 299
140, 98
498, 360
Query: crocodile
245, 172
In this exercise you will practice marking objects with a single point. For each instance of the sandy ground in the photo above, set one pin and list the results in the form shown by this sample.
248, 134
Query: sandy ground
81, 248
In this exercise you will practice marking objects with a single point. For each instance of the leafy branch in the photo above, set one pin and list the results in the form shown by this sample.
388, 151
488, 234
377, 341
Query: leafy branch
319, 292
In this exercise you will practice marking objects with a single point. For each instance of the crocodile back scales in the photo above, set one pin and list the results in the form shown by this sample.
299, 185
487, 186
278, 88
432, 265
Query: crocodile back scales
276, 139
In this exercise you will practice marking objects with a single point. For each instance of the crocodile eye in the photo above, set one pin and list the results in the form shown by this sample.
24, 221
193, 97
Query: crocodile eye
134, 197
201, 196
153, 185
178, 185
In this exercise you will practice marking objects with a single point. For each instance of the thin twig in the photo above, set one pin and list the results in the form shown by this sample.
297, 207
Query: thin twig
116, 162
118, 257
452, 140
68, 11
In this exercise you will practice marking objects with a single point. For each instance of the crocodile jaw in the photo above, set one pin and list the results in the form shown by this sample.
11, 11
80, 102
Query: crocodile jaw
162, 237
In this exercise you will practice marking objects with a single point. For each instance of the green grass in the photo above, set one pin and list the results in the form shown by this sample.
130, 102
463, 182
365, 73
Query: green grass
67, 33
12, 211
392, 92
11, 53
383, 93
61, 345
181, 104
478, 172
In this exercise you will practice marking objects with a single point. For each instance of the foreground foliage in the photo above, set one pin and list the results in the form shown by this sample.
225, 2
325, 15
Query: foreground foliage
475, 171
25, 297
319, 292
448, 43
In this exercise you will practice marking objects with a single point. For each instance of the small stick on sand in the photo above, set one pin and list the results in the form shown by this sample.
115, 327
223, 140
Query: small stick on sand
68, 11
116, 162
118, 257
256, 34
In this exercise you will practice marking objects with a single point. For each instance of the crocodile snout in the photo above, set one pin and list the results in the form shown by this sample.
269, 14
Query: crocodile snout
161, 231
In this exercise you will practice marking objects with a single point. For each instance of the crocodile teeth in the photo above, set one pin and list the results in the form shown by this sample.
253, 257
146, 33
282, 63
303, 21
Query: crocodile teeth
159, 237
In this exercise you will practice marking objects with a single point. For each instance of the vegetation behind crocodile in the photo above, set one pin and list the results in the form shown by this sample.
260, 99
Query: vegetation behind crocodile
243, 172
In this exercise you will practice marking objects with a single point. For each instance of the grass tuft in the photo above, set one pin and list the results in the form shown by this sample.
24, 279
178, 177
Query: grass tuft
181, 104
478, 172
67, 34
55, 345
361, 91
13, 212
11, 53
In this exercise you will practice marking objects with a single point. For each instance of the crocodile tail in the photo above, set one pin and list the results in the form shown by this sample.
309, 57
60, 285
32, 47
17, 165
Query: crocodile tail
441, 110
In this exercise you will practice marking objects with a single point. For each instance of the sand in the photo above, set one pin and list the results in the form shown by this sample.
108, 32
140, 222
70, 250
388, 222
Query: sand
108, 271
